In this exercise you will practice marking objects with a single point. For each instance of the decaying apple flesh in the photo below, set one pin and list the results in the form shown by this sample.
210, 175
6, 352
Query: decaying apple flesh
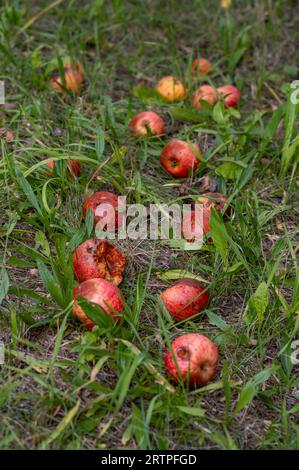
98, 259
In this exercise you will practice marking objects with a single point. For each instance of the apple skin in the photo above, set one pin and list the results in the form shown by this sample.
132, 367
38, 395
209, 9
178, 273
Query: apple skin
100, 292
185, 298
209, 201
74, 78
104, 197
201, 66
231, 95
204, 93
179, 159
196, 357
148, 120
171, 88
73, 167
193, 229
98, 258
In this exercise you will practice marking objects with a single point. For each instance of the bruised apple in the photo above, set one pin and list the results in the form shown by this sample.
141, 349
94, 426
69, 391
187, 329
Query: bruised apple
185, 298
73, 167
192, 358
179, 158
106, 208
98, 258
100, 292
204, 93
73, 78
230, 94
171, 89
201, 66
146, 123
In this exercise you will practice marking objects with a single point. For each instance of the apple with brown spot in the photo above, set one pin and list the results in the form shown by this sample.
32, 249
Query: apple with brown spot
231, 95
106, 208
171, 89
102, 293
179, 158
192, 358
185, 298
98, 258
147, 123
201, 66
204, 93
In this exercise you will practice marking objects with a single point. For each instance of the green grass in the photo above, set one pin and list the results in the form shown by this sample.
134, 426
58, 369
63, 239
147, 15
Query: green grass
65, 388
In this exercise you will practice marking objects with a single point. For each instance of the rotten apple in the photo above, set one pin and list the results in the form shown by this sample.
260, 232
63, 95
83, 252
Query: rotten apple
230, 94
192, 358
179, 158
100, 292
204, 93
171, 88
72, 81
73, 167
146, 123
185, 298
201, 66
98, 258
106, 208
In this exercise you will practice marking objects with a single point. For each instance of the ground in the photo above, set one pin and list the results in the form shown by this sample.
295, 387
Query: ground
65, 388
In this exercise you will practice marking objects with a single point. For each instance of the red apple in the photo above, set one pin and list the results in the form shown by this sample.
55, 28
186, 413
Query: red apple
73, 76
193, 358
179, 158
171, 89
100, 292
231, 95
106, 208
98, 258
204, 93
195, 226
215, 200
73, 167
185, 298
201, 66
147, 121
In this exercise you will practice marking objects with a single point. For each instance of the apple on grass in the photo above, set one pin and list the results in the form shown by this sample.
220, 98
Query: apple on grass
180, 158
147, 123
106, 208
201, 66
204, 93
73, 167
72, 81
185, 298
230, 94
102, 293
192, 358
96, 258
171, 89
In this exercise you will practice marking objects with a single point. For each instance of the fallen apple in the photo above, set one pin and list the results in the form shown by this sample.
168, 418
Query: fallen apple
204, 93
209, 201
230, 94
185, 298
201, 66
98, 258
146, 123
195, 224
106, 208
73, 78
73, 167
102, 293
180, 158
171, 89
192, 358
